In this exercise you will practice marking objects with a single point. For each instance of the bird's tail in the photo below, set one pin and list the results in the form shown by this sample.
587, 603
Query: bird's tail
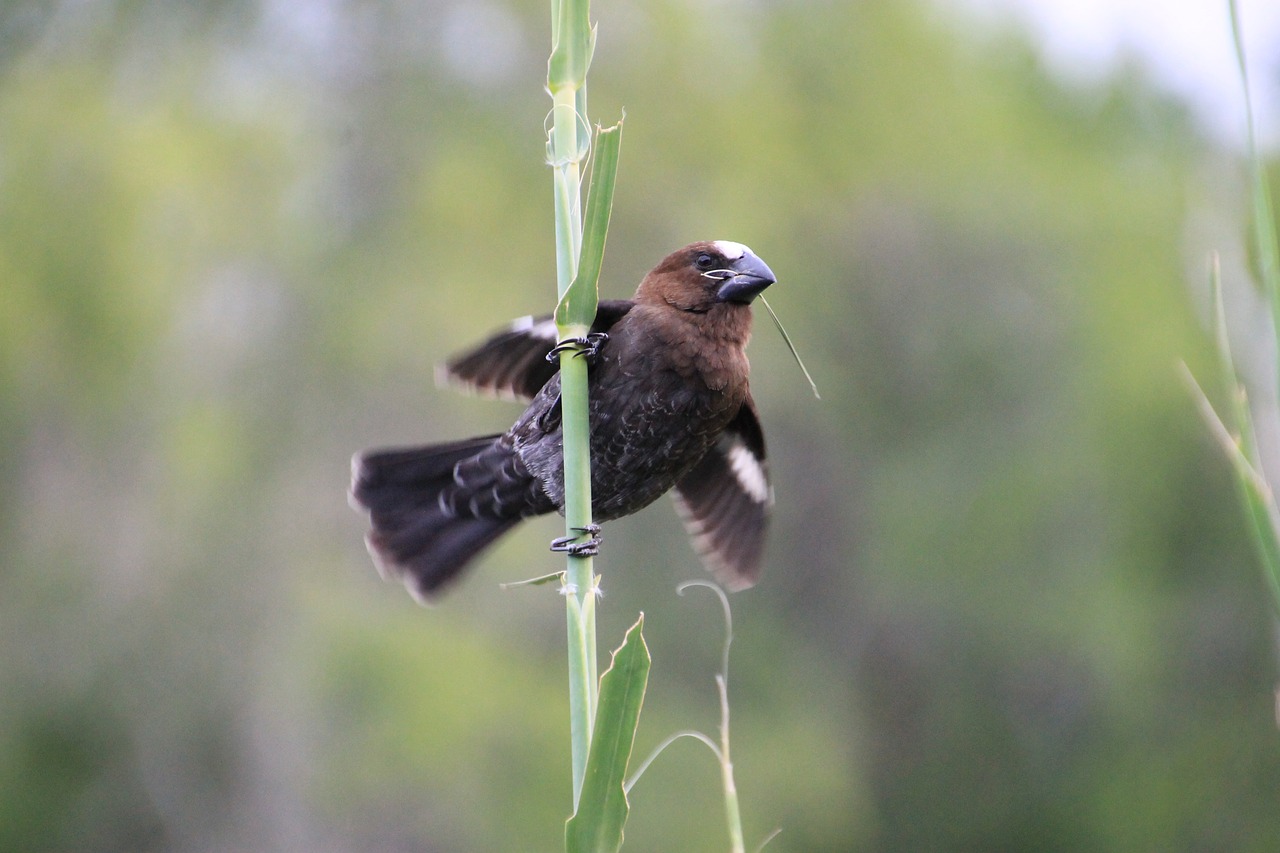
426, 524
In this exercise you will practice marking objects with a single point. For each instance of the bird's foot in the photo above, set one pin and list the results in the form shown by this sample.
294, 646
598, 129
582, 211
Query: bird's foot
588, 347
569, 545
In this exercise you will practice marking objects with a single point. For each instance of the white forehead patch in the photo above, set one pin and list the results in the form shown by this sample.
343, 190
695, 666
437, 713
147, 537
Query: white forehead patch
731, 251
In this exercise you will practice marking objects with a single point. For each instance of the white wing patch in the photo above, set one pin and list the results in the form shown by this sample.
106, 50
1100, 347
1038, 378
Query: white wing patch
732, 251
750, 473
544, 329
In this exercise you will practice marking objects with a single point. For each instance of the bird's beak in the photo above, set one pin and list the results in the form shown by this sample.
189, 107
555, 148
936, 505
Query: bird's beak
750, 276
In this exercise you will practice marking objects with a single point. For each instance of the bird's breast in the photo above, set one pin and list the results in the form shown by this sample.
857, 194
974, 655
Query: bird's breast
653, 417
659, 397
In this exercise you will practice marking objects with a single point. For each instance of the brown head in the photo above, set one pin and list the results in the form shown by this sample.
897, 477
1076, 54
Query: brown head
698, 303
702, 276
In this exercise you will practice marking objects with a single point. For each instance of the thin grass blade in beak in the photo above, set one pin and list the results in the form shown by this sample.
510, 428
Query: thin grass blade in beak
791, 346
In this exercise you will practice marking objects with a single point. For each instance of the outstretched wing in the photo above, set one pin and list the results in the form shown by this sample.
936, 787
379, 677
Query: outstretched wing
725, 502
513, 363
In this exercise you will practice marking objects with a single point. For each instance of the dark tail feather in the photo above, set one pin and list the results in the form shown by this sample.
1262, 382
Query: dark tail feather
414, 535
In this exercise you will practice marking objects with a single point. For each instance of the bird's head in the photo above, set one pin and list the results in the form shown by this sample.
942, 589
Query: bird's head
701, 276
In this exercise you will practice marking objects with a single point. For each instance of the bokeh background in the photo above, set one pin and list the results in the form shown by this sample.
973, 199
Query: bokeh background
1009, 602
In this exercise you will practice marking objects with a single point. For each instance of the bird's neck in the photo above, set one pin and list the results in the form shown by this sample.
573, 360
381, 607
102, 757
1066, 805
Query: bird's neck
709, 346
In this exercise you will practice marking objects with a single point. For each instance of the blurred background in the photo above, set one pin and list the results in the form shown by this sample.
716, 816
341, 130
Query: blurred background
1009, 603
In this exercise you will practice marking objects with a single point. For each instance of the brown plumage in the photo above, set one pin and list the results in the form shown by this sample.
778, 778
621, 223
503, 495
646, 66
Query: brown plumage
670, 407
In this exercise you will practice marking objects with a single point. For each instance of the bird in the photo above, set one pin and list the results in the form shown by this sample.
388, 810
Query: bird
670, 410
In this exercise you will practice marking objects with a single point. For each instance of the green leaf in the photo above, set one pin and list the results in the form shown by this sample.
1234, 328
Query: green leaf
577, 307
540, 580
602, 808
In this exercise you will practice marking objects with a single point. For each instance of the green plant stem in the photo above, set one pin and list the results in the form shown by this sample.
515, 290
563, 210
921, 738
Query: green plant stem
732, 811
733, 815
580, 587
1263, 212
566, 156
1259, 499
567, 179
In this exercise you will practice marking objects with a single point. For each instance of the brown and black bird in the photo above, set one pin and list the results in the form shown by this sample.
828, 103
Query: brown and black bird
670, 408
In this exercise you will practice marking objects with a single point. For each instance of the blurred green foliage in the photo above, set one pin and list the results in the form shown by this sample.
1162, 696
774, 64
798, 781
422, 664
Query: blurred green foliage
1009, 603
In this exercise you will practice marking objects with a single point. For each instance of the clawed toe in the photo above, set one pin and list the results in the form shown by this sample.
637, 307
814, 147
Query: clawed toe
588, 347
569, 544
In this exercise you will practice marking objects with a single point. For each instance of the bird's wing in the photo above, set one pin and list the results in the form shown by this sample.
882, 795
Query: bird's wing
513, 363
725, 502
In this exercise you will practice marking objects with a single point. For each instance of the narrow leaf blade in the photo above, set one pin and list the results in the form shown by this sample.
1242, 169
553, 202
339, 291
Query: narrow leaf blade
602, 808
577, 307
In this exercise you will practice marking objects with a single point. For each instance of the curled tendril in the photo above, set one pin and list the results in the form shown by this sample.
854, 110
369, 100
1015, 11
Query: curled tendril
728, 619
721, 685
661, 748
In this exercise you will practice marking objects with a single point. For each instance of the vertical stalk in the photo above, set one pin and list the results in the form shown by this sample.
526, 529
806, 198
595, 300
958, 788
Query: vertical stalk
567, 180
579, 594
566, 80
733, 816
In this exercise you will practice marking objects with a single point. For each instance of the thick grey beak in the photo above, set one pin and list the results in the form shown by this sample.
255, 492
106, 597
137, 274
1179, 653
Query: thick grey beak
750, 276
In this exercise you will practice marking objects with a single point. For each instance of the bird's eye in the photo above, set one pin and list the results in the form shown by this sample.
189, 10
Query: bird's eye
705, 261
